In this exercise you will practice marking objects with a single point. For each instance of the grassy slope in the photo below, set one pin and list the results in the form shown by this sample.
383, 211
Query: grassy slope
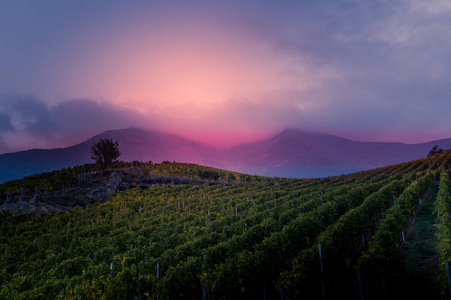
417, 276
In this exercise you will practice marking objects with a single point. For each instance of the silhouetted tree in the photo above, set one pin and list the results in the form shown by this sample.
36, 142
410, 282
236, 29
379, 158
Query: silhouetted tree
435, 150
105, 152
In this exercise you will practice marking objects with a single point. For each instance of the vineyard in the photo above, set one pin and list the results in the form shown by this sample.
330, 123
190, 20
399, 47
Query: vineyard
243, 237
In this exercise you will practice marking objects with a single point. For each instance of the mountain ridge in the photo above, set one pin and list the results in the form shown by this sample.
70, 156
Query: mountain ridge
290, 153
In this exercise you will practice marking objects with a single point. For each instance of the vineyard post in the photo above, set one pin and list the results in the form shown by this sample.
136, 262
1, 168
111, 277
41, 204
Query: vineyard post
158, 275
321, 258
281, 292
449, 277
204, 293
158, 270
359, 277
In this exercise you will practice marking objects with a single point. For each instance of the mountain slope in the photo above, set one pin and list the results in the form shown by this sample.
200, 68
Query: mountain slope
228, 241
134, 144
291, 153
296, 153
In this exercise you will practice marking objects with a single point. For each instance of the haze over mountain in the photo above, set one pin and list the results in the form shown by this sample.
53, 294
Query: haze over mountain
224, 72
295, 153
291, 153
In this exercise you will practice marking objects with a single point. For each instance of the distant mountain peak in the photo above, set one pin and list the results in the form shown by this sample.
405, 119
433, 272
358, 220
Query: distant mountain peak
304, 133
291, 153
290, 131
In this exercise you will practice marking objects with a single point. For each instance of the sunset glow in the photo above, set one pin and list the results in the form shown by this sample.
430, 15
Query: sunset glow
224, 73
188, 75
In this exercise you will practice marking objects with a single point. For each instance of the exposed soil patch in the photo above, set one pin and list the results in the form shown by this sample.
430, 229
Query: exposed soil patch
96, 187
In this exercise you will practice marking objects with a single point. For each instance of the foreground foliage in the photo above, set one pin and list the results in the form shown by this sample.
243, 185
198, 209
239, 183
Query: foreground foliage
443, 210
259, 237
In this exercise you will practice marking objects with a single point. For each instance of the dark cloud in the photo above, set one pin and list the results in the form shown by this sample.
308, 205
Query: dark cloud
391, 62
5, 122
64, 124
30, 114
82, 118
345, 67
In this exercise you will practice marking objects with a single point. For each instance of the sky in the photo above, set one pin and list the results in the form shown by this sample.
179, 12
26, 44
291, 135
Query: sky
224, 72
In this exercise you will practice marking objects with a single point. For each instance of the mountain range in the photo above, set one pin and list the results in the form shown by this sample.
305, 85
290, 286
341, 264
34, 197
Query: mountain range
291, 153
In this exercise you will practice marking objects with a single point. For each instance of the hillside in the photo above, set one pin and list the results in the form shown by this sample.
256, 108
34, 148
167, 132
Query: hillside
291, 153
259, 237
84, 185
295, 153
135, 144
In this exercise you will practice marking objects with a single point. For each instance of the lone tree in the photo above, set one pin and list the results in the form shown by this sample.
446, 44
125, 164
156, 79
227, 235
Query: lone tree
105, 152
435, 150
